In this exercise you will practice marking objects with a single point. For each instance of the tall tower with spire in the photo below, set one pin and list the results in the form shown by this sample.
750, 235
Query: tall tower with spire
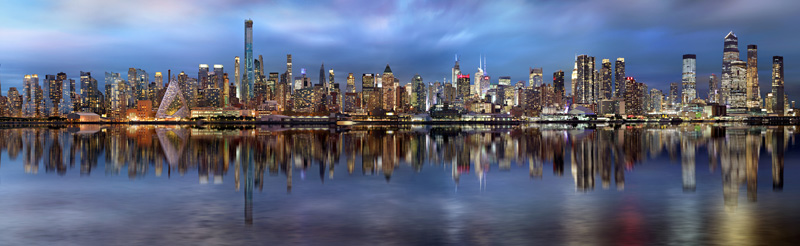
730, 53
456, 71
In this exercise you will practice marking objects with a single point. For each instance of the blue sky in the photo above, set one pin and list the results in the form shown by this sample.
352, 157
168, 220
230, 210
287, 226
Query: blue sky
47, 37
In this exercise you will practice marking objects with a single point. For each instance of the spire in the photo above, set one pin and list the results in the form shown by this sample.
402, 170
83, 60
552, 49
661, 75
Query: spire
730, 34
387, 70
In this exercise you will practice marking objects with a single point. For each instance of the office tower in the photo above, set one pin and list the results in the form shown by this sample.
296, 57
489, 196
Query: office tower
249, 77
634, 95
777, 85
462, 86
558, 87
455, 72
322, 79
584, 86
237, 79
504, 80
714, 90
30, 83
738, 84
46, 107
689, 78
331, 83
619, 77
15, 101
730, 53
389, 90
606, 87
674, 94
289, 69
370, 95
753, 90
65, 106
351, 83
535, 77
418, 99
117, 94
656, 98
159, 79
220, 80
55, 88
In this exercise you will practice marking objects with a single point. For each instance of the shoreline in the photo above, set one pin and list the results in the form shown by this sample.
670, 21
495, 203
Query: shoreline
354, 123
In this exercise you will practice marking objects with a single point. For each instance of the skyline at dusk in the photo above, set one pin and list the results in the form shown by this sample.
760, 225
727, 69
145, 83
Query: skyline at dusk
414, 37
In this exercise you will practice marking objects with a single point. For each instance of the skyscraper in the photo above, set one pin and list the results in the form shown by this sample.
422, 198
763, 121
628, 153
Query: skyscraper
689, 78
462, 86
535, 77
388, 88
351, 83
331, 83
730, 53
159, 79
753, 90
249, 80
619, 77
738, 84
558, 86
606, 87
584, 87
418, 99
456, 71
202, 76
714, 89
237, 79
288, 69
777, 84
674, 95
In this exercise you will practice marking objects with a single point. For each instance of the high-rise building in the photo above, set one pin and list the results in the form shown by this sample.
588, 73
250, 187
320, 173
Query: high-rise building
714, 90
674, 95
237, 79
634, 97
504, 80
351, 83
288, 69
738, 84
462, 86
656, 98
753, 90
248, 81
606, 87
418, 99
619, 77
331, 83
389, 89
558, 87
689, 78
322, 79
535, 77
219, 83
455, 72
584, 86
730, 53
159, 79
777, 85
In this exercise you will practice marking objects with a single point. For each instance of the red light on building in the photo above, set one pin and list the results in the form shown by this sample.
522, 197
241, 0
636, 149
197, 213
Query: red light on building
463, 76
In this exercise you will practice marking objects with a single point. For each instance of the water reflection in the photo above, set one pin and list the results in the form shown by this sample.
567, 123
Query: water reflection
607, 153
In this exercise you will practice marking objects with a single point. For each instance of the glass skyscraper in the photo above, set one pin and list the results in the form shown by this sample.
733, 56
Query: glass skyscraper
689, 78
247, 85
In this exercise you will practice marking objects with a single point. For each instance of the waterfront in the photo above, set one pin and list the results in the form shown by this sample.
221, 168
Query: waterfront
713, 184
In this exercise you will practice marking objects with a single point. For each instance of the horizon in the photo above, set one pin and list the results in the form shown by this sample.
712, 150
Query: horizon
98, 43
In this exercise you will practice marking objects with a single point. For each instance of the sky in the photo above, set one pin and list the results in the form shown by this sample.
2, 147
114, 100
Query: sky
413, 37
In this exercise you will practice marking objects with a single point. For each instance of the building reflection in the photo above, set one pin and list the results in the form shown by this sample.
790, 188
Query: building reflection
602, 154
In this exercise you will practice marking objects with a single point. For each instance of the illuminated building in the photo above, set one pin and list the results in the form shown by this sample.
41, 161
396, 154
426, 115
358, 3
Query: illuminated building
304, 99
753, 91
288, 70
246, 88
117, 96
729, 55
634, 95
456, 70
351, 83
463, 86
418, 98
558, 87
15, 101
674, 95
331, 82
738, 84
65, 106
30, 82
237, 79
389, 88
689, 78
504, 80
619, 77
174, 104
584, 86
606, 89
777, 85
656, 99
351, 102
535, 78
159, 79
714, 90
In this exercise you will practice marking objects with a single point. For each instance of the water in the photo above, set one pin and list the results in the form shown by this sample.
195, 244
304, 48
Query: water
382, 185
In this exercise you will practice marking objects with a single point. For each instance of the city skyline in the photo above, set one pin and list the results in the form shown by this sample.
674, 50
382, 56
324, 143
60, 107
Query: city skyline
305, 40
